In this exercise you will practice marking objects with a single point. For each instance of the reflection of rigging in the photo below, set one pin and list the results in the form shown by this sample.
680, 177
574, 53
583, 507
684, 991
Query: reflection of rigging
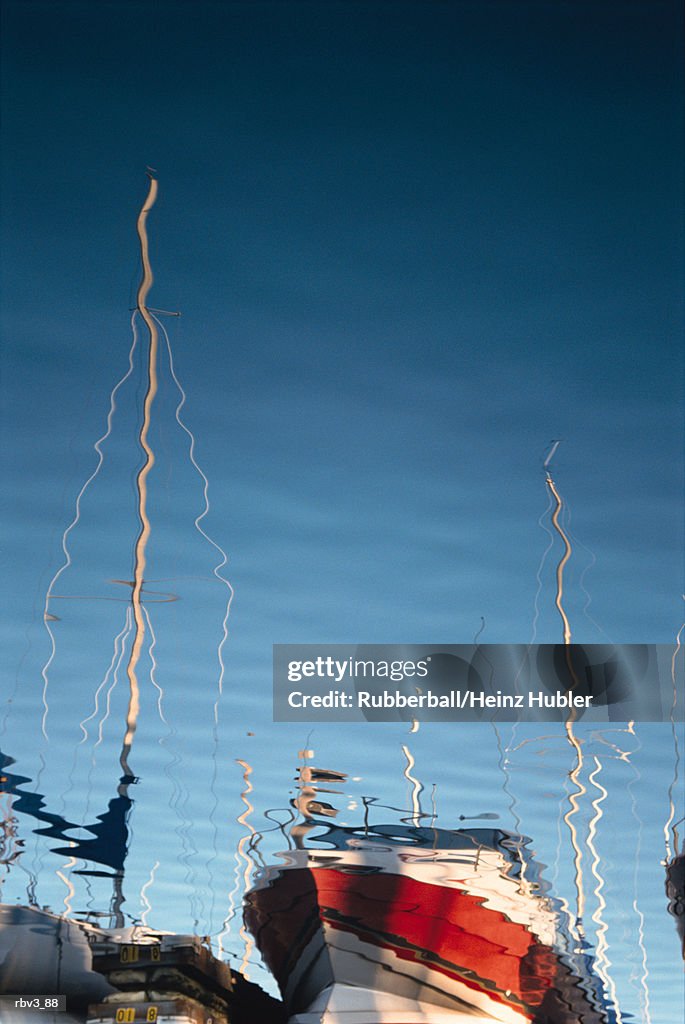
580, 790
223, 557
103, 844
575, 797
109, 842
48, 615
543, 559
246, 858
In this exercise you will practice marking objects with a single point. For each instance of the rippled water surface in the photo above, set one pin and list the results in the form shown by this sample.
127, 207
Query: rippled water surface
426, 265
162, 816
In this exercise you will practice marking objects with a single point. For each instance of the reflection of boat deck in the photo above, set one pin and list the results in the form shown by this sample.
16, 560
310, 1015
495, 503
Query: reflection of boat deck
423, 926
45, 954
133, 975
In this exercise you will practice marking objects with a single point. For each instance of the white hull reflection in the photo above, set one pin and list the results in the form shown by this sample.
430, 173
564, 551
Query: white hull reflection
345, 1004
419, 926
44, 954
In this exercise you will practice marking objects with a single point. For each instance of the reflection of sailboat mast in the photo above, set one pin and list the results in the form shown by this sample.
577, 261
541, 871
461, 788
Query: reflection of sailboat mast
564, 558
580, 789
133, 708
108, 846
574, 799
245, 839
141, 486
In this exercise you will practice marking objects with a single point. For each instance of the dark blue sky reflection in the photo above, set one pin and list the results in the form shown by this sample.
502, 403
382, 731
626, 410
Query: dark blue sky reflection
412, 243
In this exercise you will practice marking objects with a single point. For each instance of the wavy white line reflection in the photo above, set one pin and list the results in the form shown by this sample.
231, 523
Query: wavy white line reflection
143, 895
115, 680
574, 801
153, 667
416, 788
581, 584
644, 977
248, 941
119, 641
543, 559
113, 670
575, 774
198, 520
71, 891
602, 962
564, 559
47, 615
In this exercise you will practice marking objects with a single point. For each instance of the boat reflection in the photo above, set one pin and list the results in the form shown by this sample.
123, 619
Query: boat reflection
400, 923
108, 847
675, 893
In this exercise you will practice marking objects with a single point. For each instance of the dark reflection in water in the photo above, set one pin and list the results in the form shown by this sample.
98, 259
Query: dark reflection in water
106, 847
102, 840
110, 830
405, 917
392, 915
32, 804
675, 891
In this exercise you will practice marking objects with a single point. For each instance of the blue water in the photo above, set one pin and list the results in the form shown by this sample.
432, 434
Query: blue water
410, 252
336, 543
